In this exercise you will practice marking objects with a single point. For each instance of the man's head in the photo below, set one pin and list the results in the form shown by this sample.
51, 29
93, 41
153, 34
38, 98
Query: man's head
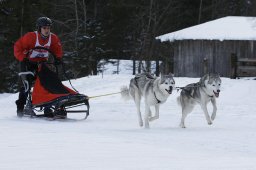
43, 25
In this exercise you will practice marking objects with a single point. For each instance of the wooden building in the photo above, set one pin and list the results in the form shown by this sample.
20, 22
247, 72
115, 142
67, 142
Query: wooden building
208, 47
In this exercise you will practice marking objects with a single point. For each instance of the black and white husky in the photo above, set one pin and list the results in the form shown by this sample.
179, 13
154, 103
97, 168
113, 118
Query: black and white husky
155, 90
206, 90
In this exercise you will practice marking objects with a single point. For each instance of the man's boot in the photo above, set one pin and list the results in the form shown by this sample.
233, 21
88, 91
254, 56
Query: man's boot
20, 108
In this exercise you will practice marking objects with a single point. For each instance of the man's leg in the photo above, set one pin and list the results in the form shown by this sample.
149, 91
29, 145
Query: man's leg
23, 92
21, 101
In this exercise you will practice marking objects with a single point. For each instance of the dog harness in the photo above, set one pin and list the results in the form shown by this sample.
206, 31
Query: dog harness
40, 53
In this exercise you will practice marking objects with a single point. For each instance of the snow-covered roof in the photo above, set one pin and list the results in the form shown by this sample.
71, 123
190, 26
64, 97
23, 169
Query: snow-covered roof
226, 28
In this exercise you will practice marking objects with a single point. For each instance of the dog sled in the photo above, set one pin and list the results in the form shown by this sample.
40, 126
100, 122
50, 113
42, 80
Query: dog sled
47, 96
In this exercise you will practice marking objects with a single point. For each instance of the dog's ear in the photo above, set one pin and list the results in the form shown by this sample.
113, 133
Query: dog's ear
207, 78
202, 80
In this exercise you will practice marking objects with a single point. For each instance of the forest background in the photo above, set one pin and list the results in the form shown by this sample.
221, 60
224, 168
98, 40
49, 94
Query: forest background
94, 31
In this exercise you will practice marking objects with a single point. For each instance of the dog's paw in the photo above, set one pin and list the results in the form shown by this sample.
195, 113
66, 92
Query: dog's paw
140, 124
146, 127
209, 122
182, 125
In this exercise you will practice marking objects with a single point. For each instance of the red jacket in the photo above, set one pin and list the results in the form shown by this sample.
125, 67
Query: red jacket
28, 41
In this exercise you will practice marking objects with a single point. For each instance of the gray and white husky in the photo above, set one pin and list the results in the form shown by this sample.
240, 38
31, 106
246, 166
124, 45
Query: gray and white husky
155, 91
206, 90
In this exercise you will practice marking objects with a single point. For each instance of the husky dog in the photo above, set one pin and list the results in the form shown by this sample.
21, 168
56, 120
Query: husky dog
207, 89
155, 90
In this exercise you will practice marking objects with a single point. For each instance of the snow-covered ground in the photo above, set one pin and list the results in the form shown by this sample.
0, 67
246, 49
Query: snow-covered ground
110, 139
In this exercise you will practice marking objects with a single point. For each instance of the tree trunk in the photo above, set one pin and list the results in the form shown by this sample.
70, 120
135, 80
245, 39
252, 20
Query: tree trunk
200, 11
22, 18
133, 67
157, 68
148, 66
85, 16
77, 26
139, 67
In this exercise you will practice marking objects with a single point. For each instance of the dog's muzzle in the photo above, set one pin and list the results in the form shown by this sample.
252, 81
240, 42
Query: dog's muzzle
169, 90
216, 93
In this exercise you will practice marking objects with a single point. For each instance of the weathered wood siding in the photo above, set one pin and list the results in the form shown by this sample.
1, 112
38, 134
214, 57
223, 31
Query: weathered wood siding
189, 56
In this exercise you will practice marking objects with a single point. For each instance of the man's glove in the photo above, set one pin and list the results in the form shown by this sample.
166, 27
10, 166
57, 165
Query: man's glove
25, 60
57, 61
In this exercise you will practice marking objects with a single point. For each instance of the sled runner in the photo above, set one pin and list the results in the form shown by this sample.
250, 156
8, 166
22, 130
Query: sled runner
48, 95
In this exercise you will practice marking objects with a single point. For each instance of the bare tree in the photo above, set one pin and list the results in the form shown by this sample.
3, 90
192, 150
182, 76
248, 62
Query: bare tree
85, 16
200, 11
22, 18
77, 24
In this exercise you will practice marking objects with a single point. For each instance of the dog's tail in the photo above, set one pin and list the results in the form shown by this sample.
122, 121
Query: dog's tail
125, 93
178, 100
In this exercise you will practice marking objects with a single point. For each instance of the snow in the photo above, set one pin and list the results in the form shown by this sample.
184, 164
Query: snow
111, 139
125, 67
226, 28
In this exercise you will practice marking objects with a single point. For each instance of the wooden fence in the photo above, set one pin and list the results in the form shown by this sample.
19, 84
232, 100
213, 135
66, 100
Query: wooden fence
242, 67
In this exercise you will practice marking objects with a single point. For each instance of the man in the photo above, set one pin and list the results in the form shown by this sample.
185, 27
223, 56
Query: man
24, 52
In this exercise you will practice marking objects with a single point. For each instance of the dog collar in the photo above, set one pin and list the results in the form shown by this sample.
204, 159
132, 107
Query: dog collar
158, 101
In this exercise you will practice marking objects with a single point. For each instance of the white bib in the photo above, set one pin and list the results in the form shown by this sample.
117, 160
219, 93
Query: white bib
40, 53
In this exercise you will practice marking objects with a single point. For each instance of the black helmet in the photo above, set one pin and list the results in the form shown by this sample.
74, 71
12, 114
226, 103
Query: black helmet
43, 21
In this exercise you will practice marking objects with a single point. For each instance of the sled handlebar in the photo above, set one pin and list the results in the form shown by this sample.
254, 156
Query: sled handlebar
55, 59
